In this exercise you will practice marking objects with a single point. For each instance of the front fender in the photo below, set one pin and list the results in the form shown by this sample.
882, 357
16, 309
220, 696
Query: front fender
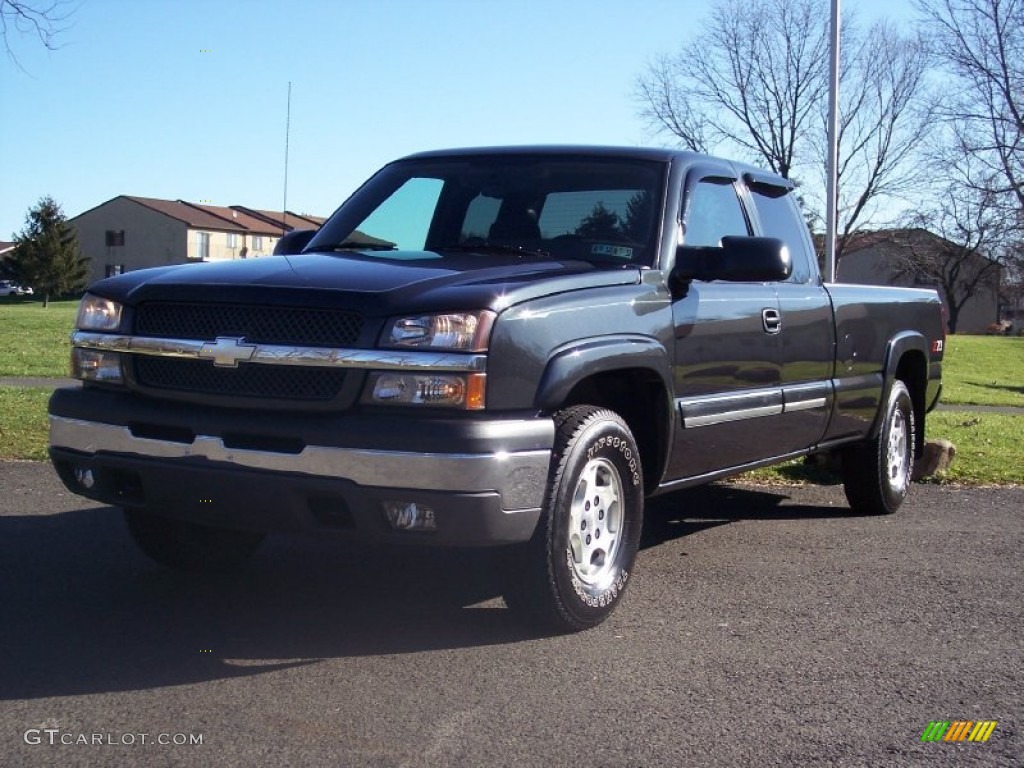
581, 359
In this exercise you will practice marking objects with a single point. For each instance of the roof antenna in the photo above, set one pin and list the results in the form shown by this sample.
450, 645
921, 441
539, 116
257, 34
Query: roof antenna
287, 127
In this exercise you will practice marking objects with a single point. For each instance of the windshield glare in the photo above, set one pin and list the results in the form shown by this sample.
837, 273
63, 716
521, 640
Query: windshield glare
593, 209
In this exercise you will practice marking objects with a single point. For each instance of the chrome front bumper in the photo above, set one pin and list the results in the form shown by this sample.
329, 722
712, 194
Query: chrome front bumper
518, 478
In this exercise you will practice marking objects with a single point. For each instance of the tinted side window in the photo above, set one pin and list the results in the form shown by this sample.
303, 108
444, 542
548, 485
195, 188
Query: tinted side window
714, 212
780, 217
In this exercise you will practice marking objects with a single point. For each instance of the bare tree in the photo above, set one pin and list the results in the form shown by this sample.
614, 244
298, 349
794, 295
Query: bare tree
886, 114
40, 19
755, 79
981, 44
961, 244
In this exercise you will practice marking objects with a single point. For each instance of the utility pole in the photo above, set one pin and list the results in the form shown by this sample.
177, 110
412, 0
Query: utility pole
833, 148
287, 127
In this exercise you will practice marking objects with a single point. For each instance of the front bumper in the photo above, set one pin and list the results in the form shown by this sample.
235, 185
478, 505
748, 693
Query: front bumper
484, 477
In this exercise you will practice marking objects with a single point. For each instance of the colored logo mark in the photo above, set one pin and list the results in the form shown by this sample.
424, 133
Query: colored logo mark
958, 730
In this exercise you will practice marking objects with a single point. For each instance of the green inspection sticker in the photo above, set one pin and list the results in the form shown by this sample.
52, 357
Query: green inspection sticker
615, 251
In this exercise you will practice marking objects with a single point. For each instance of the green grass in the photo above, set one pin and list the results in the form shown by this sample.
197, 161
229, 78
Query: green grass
987, 453
987, 446
23, 423
33, 340
983, 370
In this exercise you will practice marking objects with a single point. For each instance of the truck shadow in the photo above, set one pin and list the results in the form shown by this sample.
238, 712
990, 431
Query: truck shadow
684, 513
84, 612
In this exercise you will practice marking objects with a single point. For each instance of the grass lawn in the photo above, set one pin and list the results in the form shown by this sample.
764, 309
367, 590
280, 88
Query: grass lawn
23, 424
988, 446
987, 452
983, 370
34, 341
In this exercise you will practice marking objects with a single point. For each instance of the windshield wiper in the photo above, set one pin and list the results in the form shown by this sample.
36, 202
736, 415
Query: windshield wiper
354, 245
500, 247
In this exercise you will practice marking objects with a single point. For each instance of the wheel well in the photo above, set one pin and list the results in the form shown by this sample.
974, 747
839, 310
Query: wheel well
913, 372
639, 396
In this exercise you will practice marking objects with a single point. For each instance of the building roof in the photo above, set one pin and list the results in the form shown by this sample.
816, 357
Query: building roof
860, 241
192, 215
238, 217
283, 219
233, 218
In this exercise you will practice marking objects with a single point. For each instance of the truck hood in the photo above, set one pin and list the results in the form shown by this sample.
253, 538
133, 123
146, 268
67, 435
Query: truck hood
372, 282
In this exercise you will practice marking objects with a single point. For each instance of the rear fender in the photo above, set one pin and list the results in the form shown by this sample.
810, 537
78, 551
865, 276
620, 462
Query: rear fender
897, 348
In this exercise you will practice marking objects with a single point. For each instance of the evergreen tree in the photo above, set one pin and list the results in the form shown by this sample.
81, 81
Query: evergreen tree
601, 224
639, 217
46, 254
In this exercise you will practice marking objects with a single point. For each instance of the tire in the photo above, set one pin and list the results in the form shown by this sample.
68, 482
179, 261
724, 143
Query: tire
877, 473
574, 571
186, 546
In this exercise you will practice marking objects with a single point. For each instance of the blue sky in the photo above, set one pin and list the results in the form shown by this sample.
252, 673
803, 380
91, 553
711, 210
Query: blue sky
186, 98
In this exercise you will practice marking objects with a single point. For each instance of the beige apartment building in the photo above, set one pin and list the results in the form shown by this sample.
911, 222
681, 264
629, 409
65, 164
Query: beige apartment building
129, 233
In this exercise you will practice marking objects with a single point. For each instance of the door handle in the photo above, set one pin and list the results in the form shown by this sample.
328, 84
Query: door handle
771, 320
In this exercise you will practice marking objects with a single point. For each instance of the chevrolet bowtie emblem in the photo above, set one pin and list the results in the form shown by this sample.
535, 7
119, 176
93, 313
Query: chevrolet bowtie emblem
226, 352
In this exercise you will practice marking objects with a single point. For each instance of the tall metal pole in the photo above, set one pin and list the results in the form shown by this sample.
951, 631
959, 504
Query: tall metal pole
287, 127
833, 148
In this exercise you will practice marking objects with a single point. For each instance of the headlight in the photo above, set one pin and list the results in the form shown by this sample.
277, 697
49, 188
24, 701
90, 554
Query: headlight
98, 314
462, 331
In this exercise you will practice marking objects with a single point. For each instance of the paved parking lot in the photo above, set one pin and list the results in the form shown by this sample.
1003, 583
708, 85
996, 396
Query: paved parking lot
765, 626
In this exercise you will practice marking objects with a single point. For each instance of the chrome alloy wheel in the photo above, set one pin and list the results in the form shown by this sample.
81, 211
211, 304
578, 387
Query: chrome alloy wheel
595, 522
896, 455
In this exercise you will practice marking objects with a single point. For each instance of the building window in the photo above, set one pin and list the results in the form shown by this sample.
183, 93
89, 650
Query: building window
203, 245
257, 242
114, 269
232, 240
115, 237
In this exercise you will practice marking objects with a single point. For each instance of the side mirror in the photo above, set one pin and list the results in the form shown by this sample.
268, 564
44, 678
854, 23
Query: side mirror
293, 242
738, 260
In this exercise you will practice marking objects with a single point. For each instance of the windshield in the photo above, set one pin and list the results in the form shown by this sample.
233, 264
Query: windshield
589, 208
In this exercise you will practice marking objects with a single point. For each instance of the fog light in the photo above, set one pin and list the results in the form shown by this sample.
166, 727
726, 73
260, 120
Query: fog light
409, 516
452, 390
96, 365
84, 477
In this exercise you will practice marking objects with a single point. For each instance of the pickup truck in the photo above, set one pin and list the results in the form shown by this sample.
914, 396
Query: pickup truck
507, 346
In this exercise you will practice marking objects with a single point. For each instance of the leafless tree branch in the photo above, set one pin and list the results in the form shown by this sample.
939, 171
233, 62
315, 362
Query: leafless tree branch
44, 21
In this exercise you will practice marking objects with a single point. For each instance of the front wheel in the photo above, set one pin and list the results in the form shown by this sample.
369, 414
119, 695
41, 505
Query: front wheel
573, 573
187, 546
877, 473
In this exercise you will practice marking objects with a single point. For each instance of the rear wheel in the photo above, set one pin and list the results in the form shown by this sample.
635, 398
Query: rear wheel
876, 473
573, 573
187, 546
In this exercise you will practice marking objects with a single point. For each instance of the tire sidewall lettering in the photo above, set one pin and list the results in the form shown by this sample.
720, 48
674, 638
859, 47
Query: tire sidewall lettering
618, 447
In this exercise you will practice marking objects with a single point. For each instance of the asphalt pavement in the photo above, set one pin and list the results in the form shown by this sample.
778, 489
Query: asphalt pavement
765, 626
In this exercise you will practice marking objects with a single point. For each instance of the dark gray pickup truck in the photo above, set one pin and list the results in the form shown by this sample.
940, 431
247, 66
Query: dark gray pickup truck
508, 346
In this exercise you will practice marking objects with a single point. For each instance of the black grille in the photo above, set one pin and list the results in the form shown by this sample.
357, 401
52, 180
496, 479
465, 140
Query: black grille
266, 325
276, 382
